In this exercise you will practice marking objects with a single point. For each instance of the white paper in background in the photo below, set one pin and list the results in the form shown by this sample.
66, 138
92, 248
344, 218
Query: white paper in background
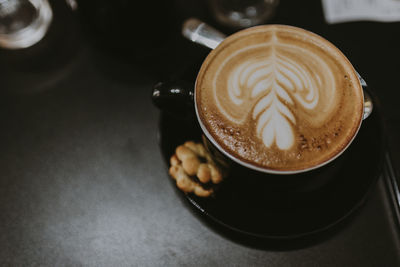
337, 11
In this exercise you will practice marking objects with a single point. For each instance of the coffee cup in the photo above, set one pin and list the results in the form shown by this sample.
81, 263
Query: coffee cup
273, 99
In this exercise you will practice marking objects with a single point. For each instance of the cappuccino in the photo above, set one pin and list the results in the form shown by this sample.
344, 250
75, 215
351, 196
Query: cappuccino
279, 98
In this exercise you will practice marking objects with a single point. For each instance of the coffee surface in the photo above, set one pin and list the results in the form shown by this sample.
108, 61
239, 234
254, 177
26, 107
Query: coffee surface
279, 97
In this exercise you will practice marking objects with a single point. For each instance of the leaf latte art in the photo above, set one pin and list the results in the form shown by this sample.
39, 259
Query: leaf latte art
279, 98
272, 82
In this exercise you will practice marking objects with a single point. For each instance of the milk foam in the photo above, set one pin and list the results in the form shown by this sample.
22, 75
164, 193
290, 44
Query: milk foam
271, 85
278, 97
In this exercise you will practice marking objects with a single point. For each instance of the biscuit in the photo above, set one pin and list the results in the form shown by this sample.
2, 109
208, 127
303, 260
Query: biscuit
192, 167
184, 183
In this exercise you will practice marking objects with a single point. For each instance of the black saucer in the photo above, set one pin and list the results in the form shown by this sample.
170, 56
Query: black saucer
247, 204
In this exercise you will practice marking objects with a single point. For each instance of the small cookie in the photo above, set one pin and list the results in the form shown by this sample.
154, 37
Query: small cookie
192, 167
186, 184
190, 161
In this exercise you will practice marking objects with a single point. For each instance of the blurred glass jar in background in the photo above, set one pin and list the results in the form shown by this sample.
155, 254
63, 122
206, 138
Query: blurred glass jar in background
23, 23
242, 13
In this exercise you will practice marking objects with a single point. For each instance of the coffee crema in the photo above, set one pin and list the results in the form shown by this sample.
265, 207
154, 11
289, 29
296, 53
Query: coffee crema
279, 97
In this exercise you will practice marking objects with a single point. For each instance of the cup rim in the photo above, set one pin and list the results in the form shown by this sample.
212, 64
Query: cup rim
273, 171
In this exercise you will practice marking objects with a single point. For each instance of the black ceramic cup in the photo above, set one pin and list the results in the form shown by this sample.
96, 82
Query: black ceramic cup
177, 97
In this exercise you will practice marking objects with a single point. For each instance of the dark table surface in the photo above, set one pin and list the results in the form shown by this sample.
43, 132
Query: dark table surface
82, 180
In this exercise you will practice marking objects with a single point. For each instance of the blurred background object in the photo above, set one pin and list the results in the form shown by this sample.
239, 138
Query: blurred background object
23, 23
241, 14
47, 61
361, 10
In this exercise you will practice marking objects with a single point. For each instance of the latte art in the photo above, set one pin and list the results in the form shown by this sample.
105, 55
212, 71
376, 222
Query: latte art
270, 84
279, 97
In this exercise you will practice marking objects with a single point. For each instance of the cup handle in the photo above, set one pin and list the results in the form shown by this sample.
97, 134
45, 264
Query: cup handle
199, 32
174, 96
